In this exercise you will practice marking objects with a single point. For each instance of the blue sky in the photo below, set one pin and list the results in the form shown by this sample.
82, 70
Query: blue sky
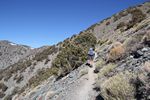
46, 22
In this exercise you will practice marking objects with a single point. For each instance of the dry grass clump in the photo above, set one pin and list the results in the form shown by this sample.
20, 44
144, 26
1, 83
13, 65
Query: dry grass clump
116, 52
99, 64
118, 87
106, 69
83, 72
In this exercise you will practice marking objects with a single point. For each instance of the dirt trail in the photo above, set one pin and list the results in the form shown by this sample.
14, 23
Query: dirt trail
85, 90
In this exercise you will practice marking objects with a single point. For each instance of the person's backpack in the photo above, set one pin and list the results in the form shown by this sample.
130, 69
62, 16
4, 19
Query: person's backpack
91, 52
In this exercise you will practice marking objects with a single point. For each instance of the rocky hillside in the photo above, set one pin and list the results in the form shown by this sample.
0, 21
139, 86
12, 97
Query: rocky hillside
120, 71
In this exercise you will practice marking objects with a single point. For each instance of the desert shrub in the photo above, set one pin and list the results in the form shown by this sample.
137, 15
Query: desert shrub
142, 25
44, 54
73, 36
148, 11
106, 70
115, 18
69, 58
123, 13
118, 87
133, 43
120, 25
142, 86
120, 15
3, 87
107, 23
98, 65
2, 94
109, 42
137, 16
74, 53
86, 40
116, 52
91, 27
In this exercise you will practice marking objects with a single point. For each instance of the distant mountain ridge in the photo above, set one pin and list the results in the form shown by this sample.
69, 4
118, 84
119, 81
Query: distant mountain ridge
10, 53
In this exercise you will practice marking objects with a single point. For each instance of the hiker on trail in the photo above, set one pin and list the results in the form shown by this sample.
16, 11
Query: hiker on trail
91, 55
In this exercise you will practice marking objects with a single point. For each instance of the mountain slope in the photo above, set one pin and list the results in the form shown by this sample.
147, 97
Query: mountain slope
54, 72
10, 53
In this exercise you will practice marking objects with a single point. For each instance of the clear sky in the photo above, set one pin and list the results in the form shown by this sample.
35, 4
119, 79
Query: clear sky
46, 22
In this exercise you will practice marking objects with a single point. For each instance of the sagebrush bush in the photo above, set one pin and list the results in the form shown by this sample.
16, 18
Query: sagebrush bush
118, 87
116, 52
